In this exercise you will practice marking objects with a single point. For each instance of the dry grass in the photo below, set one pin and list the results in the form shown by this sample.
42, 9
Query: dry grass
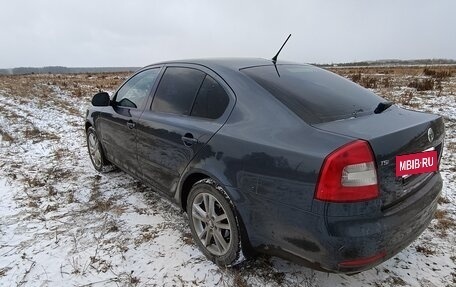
239, 280
187, 238
445, 223
51, 207
438, 73
36, 135
6, 136
113, 227
398, 281
34, 181
440, 214
406, 98
102, 205
408, 86
148, 233
44, 85
32, 203
418, 78
425, 250
435, 71
422, 84
45, 88
70, 196
451, 146
443, 200
61, 153
58, 173
4, 270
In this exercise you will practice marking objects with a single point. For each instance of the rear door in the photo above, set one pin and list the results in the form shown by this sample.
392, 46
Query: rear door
118, 127
189, 106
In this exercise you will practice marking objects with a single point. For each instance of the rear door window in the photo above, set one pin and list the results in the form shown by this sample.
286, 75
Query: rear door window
177, 90
211, 100
314, 94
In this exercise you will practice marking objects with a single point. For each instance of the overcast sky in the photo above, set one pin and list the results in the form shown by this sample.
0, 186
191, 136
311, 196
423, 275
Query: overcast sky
139, 32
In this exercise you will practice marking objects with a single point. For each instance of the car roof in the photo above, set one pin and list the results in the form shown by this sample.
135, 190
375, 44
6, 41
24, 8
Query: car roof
230, 63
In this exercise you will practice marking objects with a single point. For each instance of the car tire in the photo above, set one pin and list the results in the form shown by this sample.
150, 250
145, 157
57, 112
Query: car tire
97, 157
216, 232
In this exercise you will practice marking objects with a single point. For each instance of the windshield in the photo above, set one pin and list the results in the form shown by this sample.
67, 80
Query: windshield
314, 94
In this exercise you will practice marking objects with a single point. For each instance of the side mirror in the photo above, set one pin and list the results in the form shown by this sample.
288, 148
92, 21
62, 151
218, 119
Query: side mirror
101, 100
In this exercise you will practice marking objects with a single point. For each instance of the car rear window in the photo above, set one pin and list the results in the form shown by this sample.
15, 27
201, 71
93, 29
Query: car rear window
314, 94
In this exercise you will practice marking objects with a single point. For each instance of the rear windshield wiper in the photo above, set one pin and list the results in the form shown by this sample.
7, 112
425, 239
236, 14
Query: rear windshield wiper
382, 106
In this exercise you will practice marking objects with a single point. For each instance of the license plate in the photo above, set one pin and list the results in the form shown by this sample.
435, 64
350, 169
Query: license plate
416, 163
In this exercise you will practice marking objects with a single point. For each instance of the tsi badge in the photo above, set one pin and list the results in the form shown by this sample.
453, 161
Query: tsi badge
430, 135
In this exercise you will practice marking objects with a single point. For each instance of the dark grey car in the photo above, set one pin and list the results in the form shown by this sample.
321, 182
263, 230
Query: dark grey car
282, 158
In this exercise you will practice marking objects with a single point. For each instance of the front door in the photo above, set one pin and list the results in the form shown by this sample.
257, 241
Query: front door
118, 127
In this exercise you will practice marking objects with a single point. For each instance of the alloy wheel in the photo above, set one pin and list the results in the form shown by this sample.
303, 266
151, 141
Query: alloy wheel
94, 150
211, 224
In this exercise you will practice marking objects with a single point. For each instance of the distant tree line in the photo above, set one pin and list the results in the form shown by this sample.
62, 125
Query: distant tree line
393, 62
64, 70
67, 70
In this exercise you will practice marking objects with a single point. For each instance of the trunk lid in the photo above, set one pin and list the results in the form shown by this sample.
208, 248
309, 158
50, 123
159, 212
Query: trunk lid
395, 131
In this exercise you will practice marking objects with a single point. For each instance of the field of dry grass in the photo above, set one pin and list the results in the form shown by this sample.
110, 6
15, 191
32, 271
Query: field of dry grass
61, 223
419, 81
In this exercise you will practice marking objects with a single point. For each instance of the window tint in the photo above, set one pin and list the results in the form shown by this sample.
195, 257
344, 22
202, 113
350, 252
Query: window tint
211, 101
177, 90
137, 89
314, 94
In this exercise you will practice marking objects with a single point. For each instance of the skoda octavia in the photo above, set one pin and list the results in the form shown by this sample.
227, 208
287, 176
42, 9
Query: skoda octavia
274, 157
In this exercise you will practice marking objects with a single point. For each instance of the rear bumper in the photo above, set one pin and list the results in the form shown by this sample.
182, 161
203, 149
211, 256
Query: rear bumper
397, 227
350, 244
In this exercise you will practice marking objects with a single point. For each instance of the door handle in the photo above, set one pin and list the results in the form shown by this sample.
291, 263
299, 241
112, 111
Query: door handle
131, 124
188, 139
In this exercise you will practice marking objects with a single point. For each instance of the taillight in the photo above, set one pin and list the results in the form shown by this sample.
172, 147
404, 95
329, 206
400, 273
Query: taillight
348, 174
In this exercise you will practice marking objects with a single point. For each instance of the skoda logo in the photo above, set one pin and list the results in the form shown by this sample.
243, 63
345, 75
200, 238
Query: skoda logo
430, 135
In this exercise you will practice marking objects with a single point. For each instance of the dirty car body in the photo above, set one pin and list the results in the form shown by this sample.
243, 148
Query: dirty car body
275, 142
